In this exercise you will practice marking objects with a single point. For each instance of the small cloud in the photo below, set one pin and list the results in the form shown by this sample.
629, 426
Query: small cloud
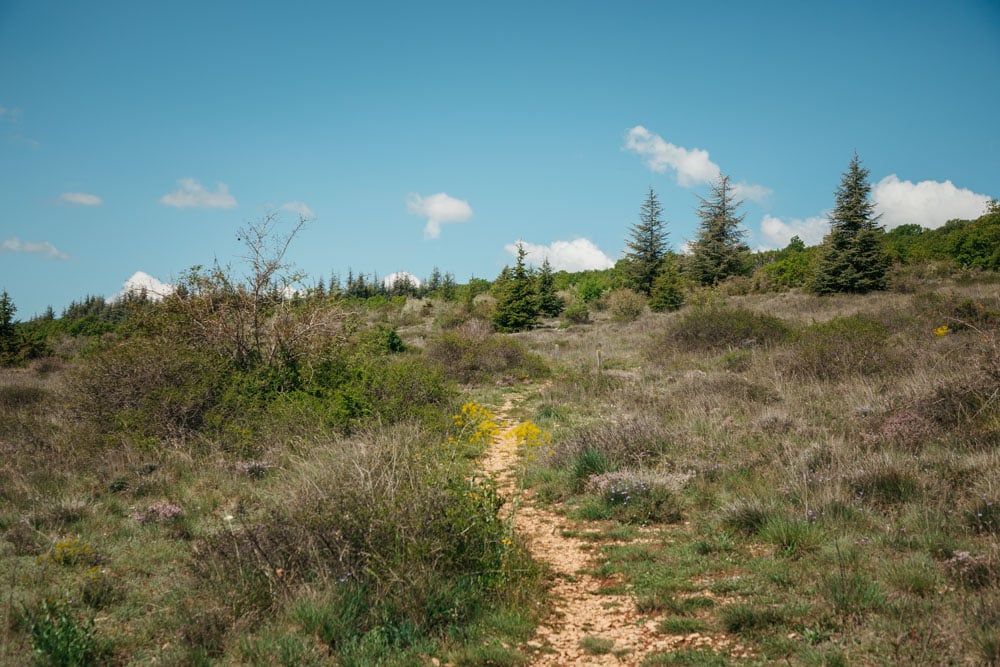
40, 248
299, 208
143, 282
929, 204
779, 232
692, 167
439, 209
401, 276
193, 195
685, 248
577, 255
80, 199
757, 193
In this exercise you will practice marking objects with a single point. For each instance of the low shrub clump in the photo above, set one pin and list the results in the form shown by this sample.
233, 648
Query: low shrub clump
625, 305
844, 346
718, 327
473, 353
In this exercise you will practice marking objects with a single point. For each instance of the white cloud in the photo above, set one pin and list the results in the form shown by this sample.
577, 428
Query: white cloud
692, 166
439, 209
779, 232
155, 289
193, 194
41, 248
757, 193
393, 278
576, 255
299, 208
80, 199
929, 204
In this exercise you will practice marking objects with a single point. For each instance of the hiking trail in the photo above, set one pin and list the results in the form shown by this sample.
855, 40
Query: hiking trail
581, 605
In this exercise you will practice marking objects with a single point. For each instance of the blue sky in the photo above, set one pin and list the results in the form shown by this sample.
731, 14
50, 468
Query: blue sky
139, 136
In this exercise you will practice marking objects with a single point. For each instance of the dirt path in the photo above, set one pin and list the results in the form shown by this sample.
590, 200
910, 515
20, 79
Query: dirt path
580, 610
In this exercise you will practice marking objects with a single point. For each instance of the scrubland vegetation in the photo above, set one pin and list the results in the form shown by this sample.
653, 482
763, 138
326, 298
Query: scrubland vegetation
242, 475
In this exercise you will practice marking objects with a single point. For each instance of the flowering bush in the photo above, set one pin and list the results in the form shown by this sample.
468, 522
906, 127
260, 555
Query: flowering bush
476, 425
530, 438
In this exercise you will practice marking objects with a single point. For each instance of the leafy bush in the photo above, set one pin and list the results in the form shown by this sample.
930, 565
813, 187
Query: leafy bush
409, 545
473, 353
150, 386
625, 305
576, 312
58, 638
718, 327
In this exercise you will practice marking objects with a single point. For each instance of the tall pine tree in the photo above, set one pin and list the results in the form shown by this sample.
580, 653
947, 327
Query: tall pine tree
550, 304
517, 303
647, 246
719, 251
853, 257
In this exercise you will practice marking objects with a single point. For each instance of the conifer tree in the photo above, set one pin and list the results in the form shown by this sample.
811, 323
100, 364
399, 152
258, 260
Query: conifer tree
550, 304
668, 288
647, 246
853, 257
719, 251
8, 335
517, 303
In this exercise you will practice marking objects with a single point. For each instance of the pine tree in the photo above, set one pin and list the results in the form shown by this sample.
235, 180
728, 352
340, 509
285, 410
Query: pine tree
853, 257
517, 303
719, 251
550, 304
647, 246
668, 288
8, 335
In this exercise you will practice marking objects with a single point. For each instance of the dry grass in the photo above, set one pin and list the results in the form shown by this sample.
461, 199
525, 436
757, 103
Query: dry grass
864, 445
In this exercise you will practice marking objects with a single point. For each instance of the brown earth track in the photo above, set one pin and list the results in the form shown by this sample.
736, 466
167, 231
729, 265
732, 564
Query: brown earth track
579, 607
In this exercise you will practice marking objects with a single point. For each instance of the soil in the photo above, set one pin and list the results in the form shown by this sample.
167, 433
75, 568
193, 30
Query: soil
580, 607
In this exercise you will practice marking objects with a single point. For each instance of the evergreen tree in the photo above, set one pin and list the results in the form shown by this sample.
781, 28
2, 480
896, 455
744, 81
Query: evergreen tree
647, 246
434, 282
853, 257
448, 286
668, 288
550, 304
8, 335
517, 303
719, 251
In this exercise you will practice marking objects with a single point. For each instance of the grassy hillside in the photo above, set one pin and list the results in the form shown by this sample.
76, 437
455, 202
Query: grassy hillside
816, 476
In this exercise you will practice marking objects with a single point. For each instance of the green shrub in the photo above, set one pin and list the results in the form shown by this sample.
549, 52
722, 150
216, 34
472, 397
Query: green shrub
844, 346
411, 546
473, 353
576, 312
149, 386
625, 305
58, 638
716, 327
